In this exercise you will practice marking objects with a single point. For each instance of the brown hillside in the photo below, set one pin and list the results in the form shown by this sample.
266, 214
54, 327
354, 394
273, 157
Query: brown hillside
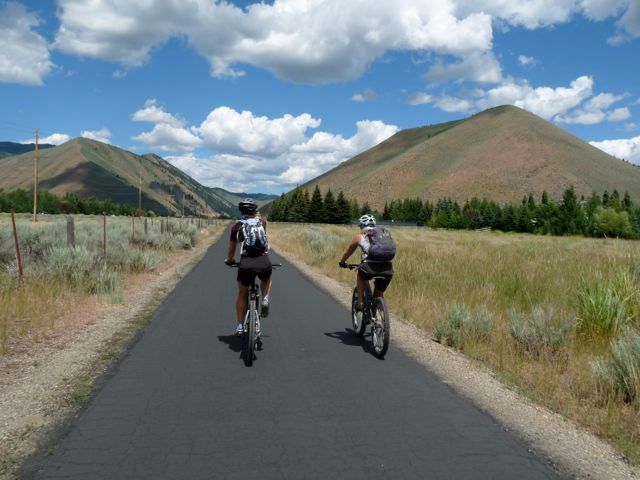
90, 168
501, 154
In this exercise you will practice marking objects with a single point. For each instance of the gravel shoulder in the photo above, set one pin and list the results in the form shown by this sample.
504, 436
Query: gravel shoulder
44, 385
574, 451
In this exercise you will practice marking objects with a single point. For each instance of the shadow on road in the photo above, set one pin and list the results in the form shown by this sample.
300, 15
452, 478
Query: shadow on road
347, 337
234, 342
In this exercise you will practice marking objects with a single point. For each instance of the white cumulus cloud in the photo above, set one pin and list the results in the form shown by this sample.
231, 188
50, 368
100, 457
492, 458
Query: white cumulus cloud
311, 41
481, 67
247, 150
154, 114
24, 54
168, 138
103, 135
625, 149
229, 131
595, 111
544, 101
53, 139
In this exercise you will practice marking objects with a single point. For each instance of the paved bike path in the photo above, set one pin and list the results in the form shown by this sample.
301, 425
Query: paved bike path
315, 404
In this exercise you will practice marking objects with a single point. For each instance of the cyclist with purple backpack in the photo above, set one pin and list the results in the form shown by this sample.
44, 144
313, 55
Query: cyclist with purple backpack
378, 250
250, 232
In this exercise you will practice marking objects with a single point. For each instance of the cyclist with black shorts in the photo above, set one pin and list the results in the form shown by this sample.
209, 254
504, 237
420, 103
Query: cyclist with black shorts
250, 233
369, 268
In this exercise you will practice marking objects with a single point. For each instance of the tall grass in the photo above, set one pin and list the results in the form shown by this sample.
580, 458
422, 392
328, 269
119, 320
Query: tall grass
619, 372
605, 306
58, 275
551, 305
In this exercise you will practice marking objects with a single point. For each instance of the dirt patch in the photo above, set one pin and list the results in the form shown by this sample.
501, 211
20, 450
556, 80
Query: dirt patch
574, 451
44, 383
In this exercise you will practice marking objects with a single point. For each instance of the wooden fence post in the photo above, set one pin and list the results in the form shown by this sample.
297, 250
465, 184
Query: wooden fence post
71, 232
133, 229
104, 235
15, 238
146, 228
161, 226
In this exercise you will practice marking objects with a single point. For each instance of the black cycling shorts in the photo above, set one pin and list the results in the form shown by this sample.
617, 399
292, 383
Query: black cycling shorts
380, 269
250, 267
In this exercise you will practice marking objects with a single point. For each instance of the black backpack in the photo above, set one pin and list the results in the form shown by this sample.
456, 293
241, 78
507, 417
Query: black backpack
382, 248
253, 237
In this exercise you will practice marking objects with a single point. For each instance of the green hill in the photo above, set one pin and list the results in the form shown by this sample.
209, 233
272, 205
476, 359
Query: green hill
502, 154
91, 168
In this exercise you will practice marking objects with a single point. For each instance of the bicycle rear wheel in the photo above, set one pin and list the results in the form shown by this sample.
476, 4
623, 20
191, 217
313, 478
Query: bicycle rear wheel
357, 319
380, 328
251, 335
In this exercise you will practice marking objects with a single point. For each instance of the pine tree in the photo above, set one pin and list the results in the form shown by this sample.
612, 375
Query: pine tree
385, 212
343, 211
627, 204
545, 198
330, 207
316, 213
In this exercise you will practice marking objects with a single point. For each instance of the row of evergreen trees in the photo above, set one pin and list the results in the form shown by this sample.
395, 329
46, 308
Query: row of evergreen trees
599, 215
22, 202
298, 206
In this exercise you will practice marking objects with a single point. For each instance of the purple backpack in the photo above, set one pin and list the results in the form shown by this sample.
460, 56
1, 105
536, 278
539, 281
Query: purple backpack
382, 248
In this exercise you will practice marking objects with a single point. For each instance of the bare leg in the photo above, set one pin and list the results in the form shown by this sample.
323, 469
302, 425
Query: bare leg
241, 302
265, 286
361, 285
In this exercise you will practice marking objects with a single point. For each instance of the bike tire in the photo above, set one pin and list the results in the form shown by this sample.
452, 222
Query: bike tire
356, 323
381, 328
251, 336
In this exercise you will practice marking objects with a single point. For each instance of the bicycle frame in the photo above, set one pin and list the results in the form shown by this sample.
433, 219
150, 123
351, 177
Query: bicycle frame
374, 313
251, 323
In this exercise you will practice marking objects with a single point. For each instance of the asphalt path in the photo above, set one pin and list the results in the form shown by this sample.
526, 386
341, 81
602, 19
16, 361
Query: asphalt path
316, 403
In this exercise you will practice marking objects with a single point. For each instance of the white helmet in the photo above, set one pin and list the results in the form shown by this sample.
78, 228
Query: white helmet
366, 222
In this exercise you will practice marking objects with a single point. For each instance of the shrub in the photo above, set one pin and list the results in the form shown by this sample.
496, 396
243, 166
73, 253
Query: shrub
143, 260
540, 331
448, 330
71, 263
620, 371
603, 308
609, 223
460, 326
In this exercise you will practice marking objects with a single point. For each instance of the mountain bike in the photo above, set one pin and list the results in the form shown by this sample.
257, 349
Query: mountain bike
251, 324
374, 313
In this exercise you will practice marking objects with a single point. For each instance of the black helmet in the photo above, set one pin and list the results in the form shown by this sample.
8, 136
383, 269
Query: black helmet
248, 206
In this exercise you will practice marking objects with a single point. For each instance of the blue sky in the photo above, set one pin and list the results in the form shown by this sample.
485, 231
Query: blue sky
260, 97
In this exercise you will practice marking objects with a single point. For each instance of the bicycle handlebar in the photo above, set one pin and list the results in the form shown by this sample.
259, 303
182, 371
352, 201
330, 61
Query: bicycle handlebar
351, 266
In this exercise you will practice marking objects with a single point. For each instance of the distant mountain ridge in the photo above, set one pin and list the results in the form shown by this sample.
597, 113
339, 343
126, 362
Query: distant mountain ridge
91, 168
12, 148
501, 154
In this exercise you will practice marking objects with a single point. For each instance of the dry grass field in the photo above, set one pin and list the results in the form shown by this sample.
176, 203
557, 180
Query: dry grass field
58, 277
556, 317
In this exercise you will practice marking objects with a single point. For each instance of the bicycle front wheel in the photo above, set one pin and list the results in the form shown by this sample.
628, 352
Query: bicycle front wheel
251, 335
381, 328
357, 318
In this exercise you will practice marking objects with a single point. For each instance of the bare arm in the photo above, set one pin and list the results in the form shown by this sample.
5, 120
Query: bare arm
231, 252
351, 248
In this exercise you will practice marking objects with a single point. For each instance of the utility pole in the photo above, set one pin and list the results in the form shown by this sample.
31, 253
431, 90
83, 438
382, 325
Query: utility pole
35, 186
182, 204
